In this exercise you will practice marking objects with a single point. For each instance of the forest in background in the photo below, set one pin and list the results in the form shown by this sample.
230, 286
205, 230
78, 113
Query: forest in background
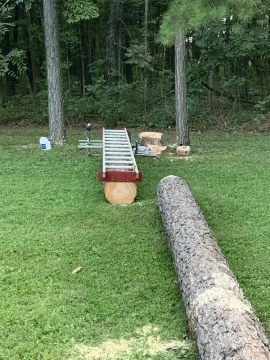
115, 69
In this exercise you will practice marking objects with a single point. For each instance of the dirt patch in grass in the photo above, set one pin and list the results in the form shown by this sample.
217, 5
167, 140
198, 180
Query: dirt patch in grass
146, 342
29, 146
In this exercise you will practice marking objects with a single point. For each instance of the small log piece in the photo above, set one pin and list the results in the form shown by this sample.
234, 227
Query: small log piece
222, 320
120, 193
153, 140
183, 150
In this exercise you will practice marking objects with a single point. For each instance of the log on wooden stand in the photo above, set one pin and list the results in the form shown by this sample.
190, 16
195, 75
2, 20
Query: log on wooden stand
119, 169
222, 320
120, 193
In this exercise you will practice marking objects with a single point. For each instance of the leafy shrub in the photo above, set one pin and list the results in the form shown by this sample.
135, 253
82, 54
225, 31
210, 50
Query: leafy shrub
117, 105
162, 115
80, 108
25, 109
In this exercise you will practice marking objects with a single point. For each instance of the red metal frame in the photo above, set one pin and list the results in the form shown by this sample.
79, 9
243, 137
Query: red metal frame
120, 176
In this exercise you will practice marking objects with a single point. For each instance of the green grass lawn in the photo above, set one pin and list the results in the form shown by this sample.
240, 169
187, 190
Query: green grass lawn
125, 303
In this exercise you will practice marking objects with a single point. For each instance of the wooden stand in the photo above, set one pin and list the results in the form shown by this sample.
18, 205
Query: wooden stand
120, 193
119, 169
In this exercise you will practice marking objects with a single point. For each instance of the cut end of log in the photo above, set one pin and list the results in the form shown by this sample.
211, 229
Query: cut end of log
153, 140
183, 150
120, 193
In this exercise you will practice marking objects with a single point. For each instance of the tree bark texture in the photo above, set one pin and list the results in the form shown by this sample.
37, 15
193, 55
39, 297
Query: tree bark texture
55, 92
181, 89
222, 320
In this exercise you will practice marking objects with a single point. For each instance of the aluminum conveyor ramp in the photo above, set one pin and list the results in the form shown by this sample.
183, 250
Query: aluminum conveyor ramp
119, 164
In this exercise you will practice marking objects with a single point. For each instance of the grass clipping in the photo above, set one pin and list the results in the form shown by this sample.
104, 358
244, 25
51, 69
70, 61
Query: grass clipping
147, 343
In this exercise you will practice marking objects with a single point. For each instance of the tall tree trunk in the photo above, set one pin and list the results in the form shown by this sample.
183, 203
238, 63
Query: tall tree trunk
11, 81
32, 71
82, 57
68, 70
113, 54
55, 92
2, 101
210, 93
181, 89
145, 80
87, 44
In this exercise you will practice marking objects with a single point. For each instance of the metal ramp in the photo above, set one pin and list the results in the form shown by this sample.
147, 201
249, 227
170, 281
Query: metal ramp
119, 164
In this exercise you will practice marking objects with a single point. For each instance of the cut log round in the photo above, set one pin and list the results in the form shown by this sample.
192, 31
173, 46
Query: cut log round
222, 320
120, 193
153, 140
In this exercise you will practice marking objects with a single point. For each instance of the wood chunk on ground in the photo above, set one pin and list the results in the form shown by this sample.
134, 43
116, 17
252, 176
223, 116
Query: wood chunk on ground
77, 270
153, 140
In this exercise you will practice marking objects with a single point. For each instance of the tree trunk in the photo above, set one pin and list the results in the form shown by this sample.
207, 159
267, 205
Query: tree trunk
181, 89
55, 92
2, 102
113, 54
223, 321
11, 81
145, 72
32, 70
210, 93
82, 57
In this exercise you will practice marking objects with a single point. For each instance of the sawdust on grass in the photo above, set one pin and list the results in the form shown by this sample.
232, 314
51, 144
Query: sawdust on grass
147, 342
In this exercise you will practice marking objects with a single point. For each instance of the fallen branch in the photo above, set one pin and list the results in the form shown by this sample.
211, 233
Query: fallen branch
230, 97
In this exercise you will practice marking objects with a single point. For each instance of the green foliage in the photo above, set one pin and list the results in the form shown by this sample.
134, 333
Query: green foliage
81, 108
161, 115
196, 74
233, 81
192, 14
117, 105
138, 55
77, 10
25, 110
15, 57
263, 105
6, 14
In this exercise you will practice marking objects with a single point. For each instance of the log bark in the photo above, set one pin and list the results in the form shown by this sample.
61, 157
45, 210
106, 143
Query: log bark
120, 193
222, 320
181, 108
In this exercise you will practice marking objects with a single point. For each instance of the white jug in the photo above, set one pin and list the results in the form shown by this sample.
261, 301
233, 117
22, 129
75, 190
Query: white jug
45, 144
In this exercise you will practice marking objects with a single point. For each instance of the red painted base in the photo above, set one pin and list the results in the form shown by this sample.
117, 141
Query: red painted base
120, 176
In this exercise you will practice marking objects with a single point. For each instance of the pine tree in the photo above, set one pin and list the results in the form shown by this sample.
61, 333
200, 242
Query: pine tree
184, 15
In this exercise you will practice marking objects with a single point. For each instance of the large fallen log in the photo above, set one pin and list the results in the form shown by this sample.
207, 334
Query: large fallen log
222, 320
